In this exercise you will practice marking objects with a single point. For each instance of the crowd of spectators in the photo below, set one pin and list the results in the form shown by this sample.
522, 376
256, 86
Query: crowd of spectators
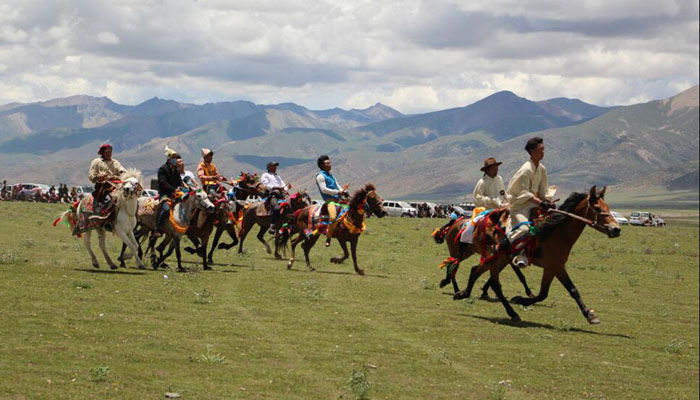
39, 193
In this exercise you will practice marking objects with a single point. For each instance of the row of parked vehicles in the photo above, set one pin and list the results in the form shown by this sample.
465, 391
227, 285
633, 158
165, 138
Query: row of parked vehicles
639, 218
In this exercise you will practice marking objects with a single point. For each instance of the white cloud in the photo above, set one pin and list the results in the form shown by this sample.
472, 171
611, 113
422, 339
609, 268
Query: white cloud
413, 55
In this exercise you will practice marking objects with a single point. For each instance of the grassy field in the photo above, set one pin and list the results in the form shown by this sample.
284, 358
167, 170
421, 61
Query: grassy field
253, 330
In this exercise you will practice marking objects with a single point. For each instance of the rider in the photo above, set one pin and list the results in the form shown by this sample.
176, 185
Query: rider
207, 172
168, 182
490, 192
527, 190
188, 178
272, 181
331, 191
104, 170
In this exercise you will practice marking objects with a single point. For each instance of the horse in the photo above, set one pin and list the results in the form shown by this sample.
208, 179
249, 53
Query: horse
125, 199
351, 224
245, 186
553, 249
257, 213
459, 252
178, 223
203, 224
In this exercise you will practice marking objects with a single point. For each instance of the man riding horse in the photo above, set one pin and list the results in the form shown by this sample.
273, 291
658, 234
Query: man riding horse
208, 173
527, 190
168, 182
272, 181
104, 171
331, 192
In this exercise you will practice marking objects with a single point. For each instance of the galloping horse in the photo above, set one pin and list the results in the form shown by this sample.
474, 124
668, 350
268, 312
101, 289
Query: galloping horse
179, 221
202, 225
553, 250
257, 214
125, 198
351, 224
245, 186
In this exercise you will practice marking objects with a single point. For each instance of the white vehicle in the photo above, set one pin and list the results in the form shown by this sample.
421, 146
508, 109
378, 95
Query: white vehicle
619, 218
399, 209
645, 218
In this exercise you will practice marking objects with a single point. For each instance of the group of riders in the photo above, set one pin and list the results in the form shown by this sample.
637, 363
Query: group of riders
105, 171
528, 188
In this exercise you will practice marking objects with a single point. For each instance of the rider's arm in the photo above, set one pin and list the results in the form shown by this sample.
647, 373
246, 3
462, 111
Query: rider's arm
119, 167
321, 181
94, 170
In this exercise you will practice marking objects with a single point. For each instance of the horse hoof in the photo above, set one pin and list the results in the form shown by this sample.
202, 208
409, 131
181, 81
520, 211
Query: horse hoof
208, 268
289, 265
459, 296
517, 300
360, 271
515, 318
592, 318
444, 282
95, 265
113, 267
223, 246
484, 296
210, 261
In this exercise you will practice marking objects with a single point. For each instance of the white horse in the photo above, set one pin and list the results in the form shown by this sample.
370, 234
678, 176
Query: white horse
125, 199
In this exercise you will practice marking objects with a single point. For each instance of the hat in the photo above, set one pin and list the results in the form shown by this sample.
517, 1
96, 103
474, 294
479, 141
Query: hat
170, 153
271, 163
103, 148
206, 152
489, 162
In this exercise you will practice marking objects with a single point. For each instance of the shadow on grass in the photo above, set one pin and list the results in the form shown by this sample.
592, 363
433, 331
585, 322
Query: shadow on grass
110, 271
529, 324
495, 300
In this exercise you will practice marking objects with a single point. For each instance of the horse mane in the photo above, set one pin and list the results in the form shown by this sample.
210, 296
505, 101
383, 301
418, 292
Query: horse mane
556, 219
133, 173
360, 195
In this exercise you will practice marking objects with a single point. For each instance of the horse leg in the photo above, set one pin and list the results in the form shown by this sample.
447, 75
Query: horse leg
121, 256
547, 276
176, 244
128, 239
151, 248
101, 235
346, 254
205, 261
217, 236
307, 245
231, 230
295, 241
161, 248
475, 273
241, 236
86, 240
496, 286
197, 247
261, 238
563, 277
353, 250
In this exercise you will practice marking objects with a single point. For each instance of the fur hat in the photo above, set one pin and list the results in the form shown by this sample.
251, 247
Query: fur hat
170, 153
206, 152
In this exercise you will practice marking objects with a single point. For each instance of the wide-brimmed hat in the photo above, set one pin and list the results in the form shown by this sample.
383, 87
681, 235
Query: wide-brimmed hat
272, 163
103, 148
206, 152
490, 162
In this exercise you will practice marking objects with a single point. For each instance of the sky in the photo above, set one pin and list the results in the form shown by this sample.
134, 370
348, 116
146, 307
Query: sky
414, 56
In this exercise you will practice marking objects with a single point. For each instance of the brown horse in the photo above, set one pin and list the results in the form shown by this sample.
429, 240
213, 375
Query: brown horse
553, 249
350, 226
247, 185
203, 224
258, 214
459, 252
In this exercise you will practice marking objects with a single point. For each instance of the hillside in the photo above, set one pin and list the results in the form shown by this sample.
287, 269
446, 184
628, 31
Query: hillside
425, 156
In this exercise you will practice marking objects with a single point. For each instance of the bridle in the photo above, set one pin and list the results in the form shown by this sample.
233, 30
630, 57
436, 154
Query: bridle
593, 223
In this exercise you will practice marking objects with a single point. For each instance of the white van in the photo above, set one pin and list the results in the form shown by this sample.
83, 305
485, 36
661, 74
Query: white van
399, 209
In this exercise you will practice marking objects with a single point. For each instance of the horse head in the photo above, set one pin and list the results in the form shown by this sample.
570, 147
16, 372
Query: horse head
368, 199
598, 211
132, 183
201, 200
299, 200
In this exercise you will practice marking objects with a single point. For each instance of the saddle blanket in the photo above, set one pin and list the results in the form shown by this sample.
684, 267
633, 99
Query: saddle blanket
84, 210
467, 235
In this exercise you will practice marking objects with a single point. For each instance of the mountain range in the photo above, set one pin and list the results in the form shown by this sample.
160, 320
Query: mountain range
430, 156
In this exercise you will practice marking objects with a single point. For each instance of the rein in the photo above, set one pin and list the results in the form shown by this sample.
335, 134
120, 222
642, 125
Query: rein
592, 223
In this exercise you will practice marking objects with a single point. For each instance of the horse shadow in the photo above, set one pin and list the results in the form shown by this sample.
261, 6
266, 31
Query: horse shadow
530, 324
110, 271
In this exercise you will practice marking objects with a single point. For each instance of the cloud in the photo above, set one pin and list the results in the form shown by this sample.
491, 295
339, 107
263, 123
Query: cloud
413, 55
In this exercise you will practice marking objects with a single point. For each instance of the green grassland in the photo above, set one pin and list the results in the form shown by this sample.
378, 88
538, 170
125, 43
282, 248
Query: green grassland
253, 330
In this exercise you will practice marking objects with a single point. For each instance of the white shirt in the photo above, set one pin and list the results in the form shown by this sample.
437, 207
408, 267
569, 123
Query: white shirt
272, 181
529, 181
490, 192
189, 175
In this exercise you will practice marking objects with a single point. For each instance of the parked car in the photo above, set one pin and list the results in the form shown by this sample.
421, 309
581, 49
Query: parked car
399, 209
645, 218
431, 208
149, 193
29, 190
619, 218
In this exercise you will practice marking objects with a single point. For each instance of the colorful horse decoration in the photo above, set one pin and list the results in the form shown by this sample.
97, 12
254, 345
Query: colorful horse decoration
347, 227
84, 216
553, 241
